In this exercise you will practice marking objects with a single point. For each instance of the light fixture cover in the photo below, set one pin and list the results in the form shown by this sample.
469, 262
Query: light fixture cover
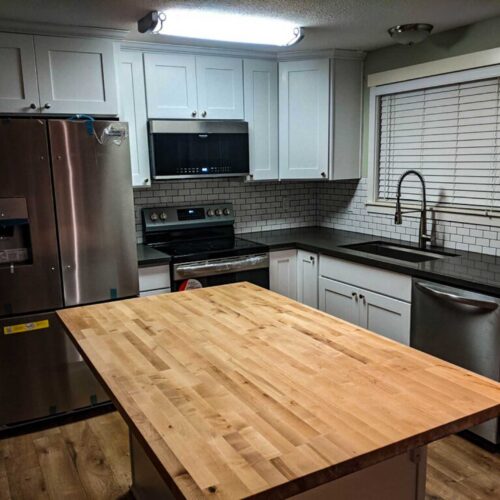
221, 26
409, 34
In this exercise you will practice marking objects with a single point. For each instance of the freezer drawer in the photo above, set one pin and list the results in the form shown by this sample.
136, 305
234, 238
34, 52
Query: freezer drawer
41, 373
462, 328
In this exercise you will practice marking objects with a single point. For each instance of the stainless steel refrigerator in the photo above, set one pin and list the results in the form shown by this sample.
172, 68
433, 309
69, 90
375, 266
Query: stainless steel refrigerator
67, 237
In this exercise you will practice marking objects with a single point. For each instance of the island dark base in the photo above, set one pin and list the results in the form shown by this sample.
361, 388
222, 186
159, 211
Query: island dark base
401, 477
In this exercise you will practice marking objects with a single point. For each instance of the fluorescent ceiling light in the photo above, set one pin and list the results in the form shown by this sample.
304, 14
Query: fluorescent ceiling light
220, 26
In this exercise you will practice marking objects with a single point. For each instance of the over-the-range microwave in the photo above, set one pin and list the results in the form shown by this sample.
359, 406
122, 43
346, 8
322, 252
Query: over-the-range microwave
182, 149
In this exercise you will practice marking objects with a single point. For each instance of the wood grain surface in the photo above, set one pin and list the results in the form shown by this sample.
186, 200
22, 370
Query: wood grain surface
236, 391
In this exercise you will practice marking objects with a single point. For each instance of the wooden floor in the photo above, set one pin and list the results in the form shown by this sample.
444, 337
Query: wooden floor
90, 460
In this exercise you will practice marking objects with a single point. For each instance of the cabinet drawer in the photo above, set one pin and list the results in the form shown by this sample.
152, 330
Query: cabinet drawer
154, 278
367, 277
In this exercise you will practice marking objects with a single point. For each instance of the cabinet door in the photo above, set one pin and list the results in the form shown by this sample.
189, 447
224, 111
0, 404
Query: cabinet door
347, 117
307, 278
261, 113
304, 96
133, 110
385, 316
76, 76
18, 84
220, 88
171, 85
339, 300
283, 272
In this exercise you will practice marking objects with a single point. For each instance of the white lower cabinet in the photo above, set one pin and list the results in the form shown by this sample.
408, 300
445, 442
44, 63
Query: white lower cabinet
380, 314
154, 280
372, 298
384, 315
283, 272
338, 299
307, 278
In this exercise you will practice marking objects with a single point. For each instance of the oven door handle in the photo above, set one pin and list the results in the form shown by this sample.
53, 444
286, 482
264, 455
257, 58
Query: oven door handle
220, 266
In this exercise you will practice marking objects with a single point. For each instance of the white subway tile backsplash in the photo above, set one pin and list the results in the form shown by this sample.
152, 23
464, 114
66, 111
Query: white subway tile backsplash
263, 206
342, 206
258, 206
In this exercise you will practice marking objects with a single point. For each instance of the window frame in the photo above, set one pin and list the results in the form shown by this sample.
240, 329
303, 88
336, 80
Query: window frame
375, 205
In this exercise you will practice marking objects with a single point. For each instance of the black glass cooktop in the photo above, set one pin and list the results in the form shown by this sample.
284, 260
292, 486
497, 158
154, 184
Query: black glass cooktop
210, 248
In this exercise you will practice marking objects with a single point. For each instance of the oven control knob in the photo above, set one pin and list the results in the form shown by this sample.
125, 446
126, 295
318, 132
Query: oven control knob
218, 212
226, 211
210, 212
154, 216
163, 216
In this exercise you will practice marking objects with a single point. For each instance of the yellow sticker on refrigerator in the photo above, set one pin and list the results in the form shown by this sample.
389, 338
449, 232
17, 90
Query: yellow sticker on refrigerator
26, 327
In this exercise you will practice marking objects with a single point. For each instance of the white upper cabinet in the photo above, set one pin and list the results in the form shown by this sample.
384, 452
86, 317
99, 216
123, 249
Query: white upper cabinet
261, 112
220, 88
132, 107
304, 96
171, 85
76, 75
18, 83
347, 91
183, 86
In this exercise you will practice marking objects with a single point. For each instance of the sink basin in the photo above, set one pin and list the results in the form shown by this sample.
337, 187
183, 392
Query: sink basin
399, 252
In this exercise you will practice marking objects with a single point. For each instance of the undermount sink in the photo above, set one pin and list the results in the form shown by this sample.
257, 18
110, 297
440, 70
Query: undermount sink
399, 252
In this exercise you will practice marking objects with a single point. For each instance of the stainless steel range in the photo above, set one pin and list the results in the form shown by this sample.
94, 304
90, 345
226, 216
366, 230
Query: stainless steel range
204, 249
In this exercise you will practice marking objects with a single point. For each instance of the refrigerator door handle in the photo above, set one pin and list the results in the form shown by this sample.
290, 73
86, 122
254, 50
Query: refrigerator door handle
482, 305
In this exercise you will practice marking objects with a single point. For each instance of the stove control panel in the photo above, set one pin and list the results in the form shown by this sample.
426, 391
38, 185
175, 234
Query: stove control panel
167, 218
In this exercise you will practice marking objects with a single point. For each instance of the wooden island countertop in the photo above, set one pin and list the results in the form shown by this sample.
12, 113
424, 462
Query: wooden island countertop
235, 391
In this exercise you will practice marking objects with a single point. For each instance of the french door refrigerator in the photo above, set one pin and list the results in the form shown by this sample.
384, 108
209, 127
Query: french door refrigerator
67, 237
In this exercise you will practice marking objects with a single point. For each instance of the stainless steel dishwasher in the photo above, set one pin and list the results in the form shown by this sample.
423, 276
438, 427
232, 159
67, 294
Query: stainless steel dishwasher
461, 327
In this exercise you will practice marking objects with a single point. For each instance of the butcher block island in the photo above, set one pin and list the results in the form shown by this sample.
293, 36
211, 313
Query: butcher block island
236, 392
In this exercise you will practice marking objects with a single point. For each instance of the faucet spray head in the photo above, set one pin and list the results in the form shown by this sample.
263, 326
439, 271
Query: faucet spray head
398, 216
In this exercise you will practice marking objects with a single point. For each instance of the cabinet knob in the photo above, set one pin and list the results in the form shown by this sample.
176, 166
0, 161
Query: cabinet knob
354, 295
46, 105
146, 181
363, 298
312, 259
204, 114
193, 114
32, 105
323, 174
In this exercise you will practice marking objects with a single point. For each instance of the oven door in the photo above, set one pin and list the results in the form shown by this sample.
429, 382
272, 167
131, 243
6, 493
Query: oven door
252, 268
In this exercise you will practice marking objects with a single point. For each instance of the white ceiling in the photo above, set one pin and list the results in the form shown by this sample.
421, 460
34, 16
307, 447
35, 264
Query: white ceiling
346, 24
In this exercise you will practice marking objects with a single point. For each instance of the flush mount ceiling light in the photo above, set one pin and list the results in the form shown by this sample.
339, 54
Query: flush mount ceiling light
221, 26
409, 34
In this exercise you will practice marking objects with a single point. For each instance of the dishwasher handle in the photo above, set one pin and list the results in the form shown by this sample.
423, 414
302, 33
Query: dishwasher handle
483, 305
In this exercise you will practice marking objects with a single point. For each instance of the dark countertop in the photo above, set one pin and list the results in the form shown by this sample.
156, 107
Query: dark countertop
147, 256
475, 271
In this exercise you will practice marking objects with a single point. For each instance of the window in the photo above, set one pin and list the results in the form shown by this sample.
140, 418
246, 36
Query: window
446, 127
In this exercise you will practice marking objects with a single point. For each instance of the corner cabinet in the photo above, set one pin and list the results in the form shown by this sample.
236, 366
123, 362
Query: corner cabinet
56, 75
132, 109
320, 118
261, 112
307, 278
304, 96
184, 86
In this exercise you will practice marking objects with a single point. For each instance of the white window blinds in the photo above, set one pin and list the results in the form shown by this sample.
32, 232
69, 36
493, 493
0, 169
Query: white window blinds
450, 134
